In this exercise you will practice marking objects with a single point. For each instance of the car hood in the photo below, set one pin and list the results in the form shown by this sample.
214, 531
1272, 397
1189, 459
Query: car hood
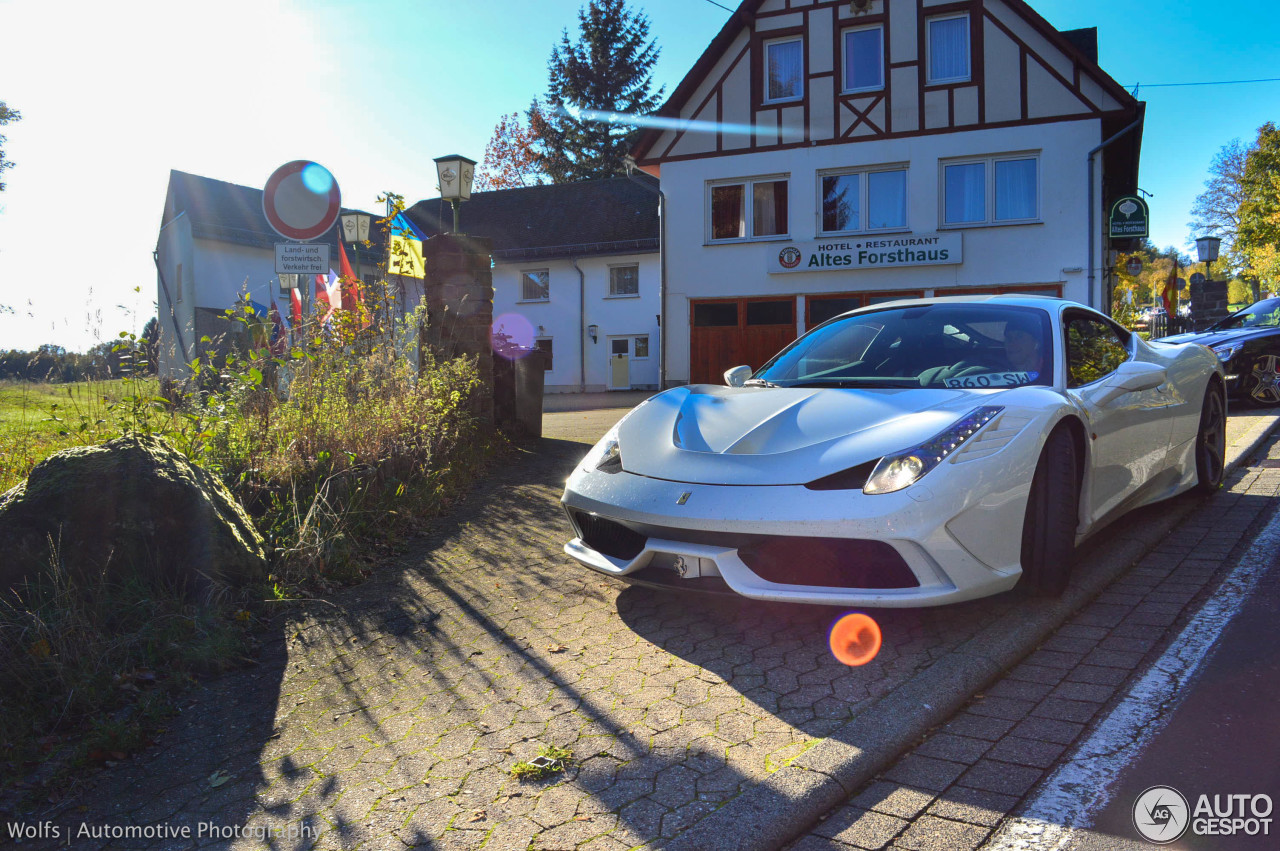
780, 436
1215, 338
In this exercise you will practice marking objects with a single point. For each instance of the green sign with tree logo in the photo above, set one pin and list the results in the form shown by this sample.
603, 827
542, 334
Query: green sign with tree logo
1130, 218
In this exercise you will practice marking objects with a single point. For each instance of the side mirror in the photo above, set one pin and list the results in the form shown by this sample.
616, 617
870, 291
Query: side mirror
737, 377
1131, 377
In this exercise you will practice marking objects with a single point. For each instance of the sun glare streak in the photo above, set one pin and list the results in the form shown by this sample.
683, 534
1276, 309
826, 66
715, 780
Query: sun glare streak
677, 124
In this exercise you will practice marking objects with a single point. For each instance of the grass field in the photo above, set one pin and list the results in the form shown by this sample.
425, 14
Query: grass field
38, 419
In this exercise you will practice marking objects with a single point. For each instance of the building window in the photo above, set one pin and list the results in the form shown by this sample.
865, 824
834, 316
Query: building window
624, 280
864, 59
784, 70
535, 285
949, 49
642, 347
990, 191
764, 206
543, 344
862, 201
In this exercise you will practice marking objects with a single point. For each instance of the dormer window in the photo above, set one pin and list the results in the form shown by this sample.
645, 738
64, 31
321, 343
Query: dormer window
783, 70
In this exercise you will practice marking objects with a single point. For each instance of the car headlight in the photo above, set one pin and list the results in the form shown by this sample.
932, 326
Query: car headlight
1226, 351
605, 456
897, 471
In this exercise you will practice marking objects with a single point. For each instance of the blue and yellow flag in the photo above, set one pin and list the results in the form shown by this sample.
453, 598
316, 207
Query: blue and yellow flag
406, 248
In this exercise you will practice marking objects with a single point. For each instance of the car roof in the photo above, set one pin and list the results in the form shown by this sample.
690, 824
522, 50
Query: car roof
1051, 304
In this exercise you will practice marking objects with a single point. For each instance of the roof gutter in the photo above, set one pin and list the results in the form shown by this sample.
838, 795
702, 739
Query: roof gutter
1092, 264
582, 325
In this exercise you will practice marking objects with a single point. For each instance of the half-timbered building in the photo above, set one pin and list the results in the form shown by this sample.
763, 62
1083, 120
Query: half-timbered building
824, 155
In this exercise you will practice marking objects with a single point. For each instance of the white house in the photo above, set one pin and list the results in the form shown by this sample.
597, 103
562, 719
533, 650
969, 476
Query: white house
576, 270
837, 154
214, 246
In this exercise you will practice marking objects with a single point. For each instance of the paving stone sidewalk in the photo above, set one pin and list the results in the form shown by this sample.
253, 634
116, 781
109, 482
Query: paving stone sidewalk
952, 790
390, 716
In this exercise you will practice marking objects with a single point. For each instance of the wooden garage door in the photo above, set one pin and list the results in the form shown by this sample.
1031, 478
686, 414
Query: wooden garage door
727, 332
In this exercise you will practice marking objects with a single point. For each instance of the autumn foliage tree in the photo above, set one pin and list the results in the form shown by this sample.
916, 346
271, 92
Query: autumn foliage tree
509, 161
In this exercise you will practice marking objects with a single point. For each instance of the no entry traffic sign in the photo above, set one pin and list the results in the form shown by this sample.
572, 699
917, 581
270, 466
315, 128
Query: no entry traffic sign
301, 200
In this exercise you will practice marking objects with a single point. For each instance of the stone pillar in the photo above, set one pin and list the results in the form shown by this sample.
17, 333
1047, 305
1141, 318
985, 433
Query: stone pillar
1208, 303
459, 289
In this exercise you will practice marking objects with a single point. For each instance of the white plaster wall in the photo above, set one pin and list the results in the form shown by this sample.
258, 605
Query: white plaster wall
1012, 254
562, 320
223, 271
175, 246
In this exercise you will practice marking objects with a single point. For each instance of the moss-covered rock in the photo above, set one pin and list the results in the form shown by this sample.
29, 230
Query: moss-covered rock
133, 505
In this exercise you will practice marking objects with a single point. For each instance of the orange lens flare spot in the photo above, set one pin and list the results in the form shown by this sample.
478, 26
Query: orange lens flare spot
855, 639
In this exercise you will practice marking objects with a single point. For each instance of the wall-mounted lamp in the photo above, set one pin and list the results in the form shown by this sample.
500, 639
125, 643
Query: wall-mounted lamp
594, 331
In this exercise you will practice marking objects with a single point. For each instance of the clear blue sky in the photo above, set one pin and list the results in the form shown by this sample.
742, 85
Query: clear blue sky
113, 95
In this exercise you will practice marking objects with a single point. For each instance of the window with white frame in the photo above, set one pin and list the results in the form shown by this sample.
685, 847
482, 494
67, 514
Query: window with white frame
642, 347
535, 285
948, 43
783, 69
749, 209
863, 200
991, 190
864, 59
624, 280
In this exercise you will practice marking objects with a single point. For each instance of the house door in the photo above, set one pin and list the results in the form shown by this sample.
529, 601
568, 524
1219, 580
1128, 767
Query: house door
620, 363
727, 332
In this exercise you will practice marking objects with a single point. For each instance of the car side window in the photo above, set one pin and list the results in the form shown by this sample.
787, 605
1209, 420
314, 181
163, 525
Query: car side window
1094, 351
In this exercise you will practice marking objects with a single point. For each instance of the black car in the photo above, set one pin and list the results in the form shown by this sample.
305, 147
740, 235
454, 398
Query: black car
1248, 343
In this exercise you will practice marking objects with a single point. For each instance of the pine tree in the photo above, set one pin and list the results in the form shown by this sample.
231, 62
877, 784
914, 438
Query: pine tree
593, 85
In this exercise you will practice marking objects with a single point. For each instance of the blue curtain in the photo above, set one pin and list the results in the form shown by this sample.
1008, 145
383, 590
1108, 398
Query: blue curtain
786, 65
966, 193
887, 199
948, 49
1016, 189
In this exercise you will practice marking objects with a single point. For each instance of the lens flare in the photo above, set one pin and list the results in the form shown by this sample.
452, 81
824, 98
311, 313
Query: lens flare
855, 639
317, 178
511, 335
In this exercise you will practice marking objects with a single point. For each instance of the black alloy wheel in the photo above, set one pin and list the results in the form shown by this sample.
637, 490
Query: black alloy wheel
1264, 381
1211, 440
1049, 527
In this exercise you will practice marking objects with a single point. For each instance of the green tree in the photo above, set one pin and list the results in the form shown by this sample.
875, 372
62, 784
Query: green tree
1216, 211
1258, 237
6, 115
594, 85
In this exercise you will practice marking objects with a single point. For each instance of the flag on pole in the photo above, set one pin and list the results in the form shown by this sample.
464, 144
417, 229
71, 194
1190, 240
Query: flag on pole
279, 332
1170, 284
406, 248
352, 299
295, 306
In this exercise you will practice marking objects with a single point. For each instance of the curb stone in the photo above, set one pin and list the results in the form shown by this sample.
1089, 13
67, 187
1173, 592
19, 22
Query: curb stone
791, 800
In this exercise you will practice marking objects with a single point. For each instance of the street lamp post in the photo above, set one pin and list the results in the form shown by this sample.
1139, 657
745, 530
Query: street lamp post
1207, 249
455, 173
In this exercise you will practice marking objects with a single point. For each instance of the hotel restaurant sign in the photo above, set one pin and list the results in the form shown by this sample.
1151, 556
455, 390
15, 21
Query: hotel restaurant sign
868, 252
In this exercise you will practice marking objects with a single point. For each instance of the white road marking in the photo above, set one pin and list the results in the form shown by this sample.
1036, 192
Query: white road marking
1081, 786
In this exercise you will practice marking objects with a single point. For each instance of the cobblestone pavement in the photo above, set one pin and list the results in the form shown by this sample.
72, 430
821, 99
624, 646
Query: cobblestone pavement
954, 789
390, 716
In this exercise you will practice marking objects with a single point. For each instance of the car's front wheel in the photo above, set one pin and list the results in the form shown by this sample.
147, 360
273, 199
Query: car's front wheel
1211, 440
1264, 381
1049, 526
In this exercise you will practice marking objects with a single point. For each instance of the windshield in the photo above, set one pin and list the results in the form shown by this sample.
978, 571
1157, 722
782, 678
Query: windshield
1264, 314
933, 345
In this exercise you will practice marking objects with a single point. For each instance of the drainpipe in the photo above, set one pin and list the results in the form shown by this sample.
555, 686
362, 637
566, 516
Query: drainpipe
582, 325
662, 272
1092, 153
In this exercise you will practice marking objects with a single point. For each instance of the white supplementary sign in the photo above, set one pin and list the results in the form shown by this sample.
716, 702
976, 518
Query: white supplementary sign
302, 258
868, 252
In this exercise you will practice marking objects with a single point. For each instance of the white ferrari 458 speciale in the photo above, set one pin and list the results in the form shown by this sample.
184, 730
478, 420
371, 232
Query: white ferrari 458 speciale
913, 453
